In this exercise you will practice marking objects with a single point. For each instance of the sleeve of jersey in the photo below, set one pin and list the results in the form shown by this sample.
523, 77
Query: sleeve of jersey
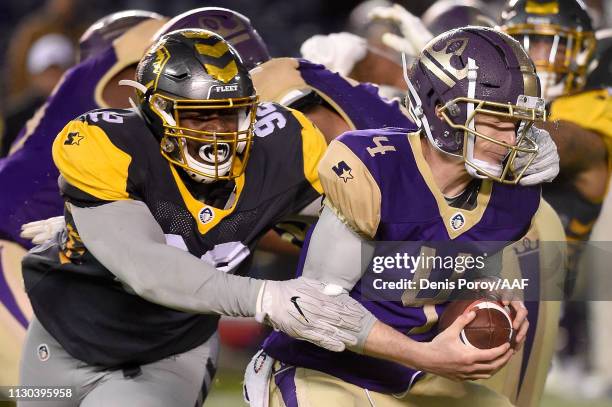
313, 149
94, 170
350, 189
590, 110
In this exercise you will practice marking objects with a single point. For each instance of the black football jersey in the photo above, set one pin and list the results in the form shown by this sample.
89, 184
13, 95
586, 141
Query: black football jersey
110, 155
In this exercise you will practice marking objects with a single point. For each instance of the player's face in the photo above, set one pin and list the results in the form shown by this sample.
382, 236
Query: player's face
213, 121
499, 129
544, 52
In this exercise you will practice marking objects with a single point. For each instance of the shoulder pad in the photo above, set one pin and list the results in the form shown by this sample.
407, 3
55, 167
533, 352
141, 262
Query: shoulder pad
350, 189
279, 80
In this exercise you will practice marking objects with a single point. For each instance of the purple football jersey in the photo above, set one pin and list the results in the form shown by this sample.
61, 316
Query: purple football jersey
359, 102
409, 211
28, 176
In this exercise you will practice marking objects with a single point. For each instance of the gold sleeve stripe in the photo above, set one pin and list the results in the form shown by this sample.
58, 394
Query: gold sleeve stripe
352, 193
313, 148
89, 161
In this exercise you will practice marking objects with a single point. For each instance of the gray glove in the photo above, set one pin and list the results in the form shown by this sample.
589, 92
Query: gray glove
303, 310
545, 165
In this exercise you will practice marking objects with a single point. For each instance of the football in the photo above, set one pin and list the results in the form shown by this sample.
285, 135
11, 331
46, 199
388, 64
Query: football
491, 327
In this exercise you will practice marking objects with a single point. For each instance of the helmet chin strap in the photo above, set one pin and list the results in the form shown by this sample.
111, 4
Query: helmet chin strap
416, 109
494, 169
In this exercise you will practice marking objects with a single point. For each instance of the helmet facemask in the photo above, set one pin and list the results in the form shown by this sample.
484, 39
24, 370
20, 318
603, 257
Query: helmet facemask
206, 155
561, 55
525, 112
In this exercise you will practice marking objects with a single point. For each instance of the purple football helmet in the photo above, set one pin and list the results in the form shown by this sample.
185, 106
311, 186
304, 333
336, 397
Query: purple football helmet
232, 26
101, 34
474, 70
444, 15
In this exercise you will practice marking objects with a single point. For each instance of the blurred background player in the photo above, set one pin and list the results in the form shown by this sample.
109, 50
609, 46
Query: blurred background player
109, 51
559, 37
444, 15
48, 58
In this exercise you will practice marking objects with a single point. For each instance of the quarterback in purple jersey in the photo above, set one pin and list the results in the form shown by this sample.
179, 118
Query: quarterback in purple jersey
469, 174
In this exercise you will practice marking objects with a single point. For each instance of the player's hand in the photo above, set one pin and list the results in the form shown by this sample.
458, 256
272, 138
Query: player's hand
447, 356
303, 310
520, 324
414, 33
42, 230
545, 165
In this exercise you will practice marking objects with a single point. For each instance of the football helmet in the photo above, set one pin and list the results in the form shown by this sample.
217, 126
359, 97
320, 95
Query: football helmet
474, 70
445, 15
196, 72
232, 26
559, 37
101, 34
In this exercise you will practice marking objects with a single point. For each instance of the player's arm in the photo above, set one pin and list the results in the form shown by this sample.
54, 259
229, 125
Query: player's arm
338, 252
579, 149
122, 234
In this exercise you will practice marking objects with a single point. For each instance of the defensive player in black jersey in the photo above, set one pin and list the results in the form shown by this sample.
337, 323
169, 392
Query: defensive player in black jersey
164, 203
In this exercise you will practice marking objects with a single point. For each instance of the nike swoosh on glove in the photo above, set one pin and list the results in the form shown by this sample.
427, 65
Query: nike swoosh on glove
545, 165
301, 309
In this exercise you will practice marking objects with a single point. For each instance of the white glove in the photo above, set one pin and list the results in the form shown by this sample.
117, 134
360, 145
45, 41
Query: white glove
545, 165
415, 34
42, 230
339, 52
301, 309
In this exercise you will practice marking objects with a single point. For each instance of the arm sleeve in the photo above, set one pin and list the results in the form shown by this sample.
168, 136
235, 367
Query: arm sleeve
126, 239
336, 254
350, 189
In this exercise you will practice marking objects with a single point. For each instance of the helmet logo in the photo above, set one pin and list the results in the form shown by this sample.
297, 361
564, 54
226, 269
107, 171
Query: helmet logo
457, 221
214, 58
206, 215
534, 7
161, 57
447, 74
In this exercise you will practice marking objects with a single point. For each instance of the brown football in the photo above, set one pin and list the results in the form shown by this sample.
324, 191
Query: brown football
491, 327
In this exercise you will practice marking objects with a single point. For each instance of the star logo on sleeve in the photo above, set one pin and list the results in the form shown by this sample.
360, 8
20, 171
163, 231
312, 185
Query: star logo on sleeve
343, 171
73, 138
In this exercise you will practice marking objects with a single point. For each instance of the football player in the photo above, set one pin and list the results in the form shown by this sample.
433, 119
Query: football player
109, 51
450, 181
559, 37
164, 202
522, 380
332, 102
